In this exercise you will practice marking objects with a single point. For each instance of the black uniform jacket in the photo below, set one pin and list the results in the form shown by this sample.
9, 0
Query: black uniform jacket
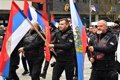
64, 45
33, 45
107, 51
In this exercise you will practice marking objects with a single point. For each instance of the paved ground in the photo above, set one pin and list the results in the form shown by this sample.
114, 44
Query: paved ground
87, 71
48, 77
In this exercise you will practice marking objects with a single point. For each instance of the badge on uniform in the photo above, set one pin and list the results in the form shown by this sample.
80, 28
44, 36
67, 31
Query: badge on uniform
112, 43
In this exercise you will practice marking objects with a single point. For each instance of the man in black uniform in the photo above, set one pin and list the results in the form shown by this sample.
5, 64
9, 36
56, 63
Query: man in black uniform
104, 54
64, 48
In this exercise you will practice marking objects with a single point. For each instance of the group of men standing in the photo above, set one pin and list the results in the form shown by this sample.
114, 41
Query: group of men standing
101, 48
32, 46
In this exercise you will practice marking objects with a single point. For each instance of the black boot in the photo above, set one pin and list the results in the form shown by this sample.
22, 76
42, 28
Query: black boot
53, 64
43, 74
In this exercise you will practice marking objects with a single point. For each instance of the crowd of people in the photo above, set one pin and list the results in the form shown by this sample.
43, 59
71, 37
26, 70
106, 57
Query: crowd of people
102, 45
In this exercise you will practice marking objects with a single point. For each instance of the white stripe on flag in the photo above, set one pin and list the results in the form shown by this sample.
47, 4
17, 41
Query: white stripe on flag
33, 13
17, 35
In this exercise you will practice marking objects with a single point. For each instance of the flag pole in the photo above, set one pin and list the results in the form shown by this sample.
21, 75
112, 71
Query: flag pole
90, 12
42, 37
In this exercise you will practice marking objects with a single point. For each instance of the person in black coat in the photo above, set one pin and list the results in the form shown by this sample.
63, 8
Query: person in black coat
64, 48
103, 61
33, 49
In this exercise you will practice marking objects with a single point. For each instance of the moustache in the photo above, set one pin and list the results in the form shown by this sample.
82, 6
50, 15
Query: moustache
99, 32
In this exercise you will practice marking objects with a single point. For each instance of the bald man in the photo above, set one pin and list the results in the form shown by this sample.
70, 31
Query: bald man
104, 49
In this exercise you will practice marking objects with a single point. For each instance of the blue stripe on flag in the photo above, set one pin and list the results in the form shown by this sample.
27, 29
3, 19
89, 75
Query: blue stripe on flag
80, 63
29, 14
40, 20
17, 21
54, 22
6, 69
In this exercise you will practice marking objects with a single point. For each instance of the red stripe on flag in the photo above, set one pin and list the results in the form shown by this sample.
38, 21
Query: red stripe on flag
52, 18
84, 39
26, 7
47, 34
4, 57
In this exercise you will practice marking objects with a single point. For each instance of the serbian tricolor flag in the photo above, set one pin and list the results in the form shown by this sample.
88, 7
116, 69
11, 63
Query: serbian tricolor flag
80, 39
55, 23
34, 15
18, 26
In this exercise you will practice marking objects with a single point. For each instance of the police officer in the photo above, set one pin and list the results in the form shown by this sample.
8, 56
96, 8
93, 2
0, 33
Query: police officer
104, 54
64, 48
33, 49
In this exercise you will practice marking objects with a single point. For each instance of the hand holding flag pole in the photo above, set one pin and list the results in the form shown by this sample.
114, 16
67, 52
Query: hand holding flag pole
42, 38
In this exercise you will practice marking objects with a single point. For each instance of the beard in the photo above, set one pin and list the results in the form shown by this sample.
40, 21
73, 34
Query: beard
99, 32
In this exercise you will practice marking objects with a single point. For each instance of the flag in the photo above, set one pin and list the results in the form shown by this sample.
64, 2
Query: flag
33, 14
42, 21
18, 26
26, 7
79, 37
55, 23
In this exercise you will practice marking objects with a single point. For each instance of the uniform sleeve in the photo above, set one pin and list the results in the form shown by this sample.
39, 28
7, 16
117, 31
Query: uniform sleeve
110, 47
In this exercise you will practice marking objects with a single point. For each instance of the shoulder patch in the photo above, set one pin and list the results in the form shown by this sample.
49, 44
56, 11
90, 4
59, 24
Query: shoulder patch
70, 40
111, 43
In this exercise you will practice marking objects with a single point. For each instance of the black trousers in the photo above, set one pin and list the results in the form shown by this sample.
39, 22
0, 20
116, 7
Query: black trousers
24, 62
35, 68
46, 65
60, 67
104, 75
12, 73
